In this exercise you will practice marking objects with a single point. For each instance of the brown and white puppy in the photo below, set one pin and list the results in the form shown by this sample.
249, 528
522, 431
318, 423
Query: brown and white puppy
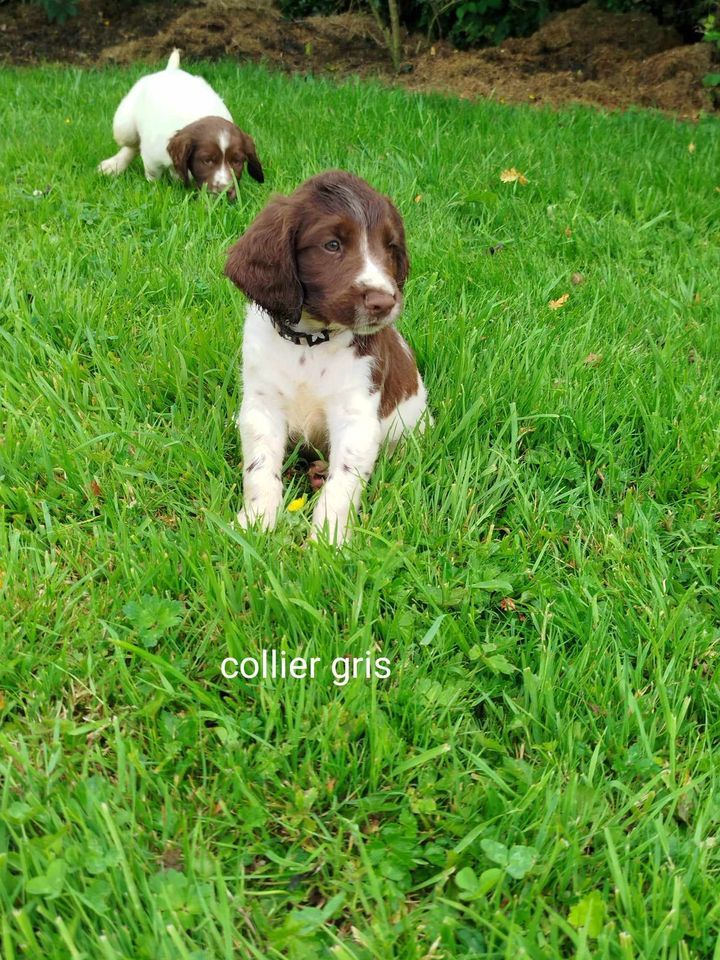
322, 362
176, 120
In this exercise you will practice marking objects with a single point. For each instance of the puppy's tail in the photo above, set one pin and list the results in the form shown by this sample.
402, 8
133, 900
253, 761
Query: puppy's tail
174, 61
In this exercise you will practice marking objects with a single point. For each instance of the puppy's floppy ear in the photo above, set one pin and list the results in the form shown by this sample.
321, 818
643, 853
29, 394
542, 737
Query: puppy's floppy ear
402, 261
180, 147
253, 163
262, 262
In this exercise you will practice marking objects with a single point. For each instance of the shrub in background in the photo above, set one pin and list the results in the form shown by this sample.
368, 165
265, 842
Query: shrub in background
711, 33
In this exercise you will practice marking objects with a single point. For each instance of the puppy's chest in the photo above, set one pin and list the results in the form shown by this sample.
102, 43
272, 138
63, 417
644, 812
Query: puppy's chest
311, 384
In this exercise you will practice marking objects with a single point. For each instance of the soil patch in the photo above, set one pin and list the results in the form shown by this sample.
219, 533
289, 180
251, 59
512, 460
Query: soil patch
584, 55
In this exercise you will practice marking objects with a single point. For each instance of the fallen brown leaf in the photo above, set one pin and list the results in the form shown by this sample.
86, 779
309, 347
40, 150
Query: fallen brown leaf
568, 232
513, 176
95, 488
507, 603
577, 279
418, 198
592, 359
560, 302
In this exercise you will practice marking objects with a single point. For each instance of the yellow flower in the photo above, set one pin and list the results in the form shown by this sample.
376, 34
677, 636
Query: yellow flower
297, 504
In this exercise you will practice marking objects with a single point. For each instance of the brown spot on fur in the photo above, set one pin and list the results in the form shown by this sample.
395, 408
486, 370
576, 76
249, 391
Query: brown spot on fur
394, 371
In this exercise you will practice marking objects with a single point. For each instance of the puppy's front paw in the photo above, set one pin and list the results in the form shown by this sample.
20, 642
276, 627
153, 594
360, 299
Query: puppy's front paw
110, 167
264, 514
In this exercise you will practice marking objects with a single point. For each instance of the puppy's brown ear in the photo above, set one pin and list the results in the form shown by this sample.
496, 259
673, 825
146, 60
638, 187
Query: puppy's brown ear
180, 148
262, 262
402, 261
253, 163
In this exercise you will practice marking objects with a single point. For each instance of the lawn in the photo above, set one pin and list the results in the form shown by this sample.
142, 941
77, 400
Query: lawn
539, 776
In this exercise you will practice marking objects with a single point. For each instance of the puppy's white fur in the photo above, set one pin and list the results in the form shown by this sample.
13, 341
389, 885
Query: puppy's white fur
324, 396
157, 107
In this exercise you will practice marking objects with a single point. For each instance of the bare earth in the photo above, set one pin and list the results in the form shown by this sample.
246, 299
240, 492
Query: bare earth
584, 55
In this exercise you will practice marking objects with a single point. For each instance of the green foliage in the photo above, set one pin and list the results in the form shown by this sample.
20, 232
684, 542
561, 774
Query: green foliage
58, 11
711, 33
589, 914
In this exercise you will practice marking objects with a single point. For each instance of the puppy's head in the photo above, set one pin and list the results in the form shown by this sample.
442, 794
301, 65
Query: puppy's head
211, 151
334, 250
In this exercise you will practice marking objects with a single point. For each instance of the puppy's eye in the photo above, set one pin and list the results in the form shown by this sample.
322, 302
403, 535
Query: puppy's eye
207, 161
333, 246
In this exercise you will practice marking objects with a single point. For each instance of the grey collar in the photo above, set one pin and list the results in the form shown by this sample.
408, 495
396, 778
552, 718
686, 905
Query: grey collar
298, 337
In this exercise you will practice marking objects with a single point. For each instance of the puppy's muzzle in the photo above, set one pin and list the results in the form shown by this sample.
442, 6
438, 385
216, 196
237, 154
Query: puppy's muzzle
378, 304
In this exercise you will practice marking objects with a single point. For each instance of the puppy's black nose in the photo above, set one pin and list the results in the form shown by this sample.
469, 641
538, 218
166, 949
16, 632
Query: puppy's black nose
378, 303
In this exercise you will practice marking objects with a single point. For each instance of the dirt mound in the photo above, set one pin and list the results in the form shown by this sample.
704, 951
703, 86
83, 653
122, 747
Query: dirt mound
255, 31
586, 55
27, 37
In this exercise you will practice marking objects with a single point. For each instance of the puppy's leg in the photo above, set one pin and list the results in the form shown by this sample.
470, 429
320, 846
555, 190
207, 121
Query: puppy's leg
119, 163
152, 173
126, 136
355, 436
410, 414
263, 431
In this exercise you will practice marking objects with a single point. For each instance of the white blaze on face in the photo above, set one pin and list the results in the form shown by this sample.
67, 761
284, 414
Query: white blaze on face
373, 276
223, 176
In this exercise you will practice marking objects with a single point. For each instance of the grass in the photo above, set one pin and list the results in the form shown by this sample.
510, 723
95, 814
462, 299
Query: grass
539, 776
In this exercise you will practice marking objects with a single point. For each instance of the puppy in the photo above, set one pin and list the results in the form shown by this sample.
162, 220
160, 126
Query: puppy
176, 120
322, 362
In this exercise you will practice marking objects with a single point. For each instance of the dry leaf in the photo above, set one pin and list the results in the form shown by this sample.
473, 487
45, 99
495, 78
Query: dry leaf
95, 488
297, 504
418, 198
577, 279
691, 148
568, 232
592, 359
512, 175
507, 603
560, 302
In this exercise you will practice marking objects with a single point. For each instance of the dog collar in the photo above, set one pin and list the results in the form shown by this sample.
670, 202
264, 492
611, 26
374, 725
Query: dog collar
299, 338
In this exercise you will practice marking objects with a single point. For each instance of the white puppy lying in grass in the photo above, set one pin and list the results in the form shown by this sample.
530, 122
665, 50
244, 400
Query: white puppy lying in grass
176, 121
